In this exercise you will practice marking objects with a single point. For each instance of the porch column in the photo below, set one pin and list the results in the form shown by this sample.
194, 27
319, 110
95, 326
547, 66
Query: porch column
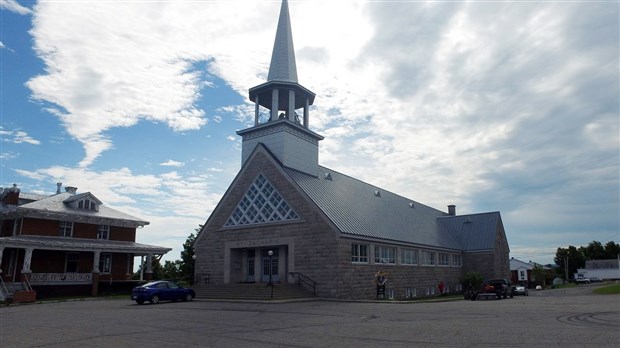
1, 250
149, 266
95, 285
27, 260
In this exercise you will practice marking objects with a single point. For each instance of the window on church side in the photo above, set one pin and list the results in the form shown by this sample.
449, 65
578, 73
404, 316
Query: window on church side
428, 258
359, 253
457, 260
261, 204
444, 259
408, 257
385, 254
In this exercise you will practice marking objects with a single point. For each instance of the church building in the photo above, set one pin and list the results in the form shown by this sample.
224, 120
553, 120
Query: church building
285, 216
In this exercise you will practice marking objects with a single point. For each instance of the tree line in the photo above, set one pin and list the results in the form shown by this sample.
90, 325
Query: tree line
178, 270
571, 258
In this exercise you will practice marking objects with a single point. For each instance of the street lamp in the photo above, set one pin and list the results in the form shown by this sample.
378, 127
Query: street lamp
270, 253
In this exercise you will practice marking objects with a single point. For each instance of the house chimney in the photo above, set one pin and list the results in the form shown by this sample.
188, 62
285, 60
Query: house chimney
452, 209
10, 195
58, 187
72, 190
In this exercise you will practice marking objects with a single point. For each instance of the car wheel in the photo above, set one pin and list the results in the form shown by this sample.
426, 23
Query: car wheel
154, 299
188, 297
140, 301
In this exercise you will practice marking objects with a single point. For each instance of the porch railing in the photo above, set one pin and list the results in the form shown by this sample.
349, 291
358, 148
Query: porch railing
60, 278
305, 281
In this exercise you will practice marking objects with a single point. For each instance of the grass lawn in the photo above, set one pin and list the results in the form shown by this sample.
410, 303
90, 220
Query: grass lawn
608, 289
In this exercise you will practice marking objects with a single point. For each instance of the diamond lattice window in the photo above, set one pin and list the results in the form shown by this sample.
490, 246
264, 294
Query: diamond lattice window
261, 203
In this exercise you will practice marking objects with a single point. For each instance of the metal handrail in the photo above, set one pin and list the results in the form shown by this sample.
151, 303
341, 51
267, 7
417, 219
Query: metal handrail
6, 291
27, 283
302, 278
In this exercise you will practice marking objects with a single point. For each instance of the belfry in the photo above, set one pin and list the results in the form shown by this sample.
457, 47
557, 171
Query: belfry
285, 129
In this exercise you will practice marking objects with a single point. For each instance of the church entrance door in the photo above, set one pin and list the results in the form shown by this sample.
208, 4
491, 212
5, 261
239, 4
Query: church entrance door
270, 266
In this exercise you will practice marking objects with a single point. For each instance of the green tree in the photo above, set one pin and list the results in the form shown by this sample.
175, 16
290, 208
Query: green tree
186, 264
472, 280
571, 257
593, 251
612, 250
539, 276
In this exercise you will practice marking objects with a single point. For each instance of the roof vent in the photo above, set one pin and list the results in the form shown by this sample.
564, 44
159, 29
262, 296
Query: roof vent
411, 205
377, 193
70, 189
328, 176
468, 221
58, 187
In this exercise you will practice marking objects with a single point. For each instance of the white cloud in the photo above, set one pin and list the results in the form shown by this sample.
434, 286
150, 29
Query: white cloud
172, 163
14, 6
17, 137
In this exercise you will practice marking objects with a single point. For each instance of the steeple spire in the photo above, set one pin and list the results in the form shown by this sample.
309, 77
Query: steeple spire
283, 67
284, 129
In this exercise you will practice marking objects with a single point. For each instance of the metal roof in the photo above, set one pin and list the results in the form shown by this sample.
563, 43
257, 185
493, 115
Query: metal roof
361, 209
80, 244
474, 231
54, 207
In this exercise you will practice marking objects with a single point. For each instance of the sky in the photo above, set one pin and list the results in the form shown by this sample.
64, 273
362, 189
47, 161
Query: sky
491, 106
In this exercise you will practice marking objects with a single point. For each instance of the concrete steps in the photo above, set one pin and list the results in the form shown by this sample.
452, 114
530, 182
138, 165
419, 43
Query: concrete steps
256, 292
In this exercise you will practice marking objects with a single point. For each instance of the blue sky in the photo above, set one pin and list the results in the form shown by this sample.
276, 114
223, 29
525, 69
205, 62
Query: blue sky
492, 106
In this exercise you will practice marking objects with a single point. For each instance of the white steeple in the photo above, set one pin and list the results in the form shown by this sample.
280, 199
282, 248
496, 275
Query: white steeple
285, 131
283, 67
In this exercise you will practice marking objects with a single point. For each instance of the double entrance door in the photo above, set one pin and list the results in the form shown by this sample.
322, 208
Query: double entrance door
268, 265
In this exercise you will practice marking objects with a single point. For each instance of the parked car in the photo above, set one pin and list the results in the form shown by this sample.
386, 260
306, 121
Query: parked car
162, 290
582, 280
520, 290
503, 287
595, 279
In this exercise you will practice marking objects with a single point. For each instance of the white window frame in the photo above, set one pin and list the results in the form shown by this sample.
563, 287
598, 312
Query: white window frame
17, 226
103, 232
409, 257
389, 293
385, 255
66, 228
443, 260
410, 292
428, 258
457, 260
105, 263
356, 253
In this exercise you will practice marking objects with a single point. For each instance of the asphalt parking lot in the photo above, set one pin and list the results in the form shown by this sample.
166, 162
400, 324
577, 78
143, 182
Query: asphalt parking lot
568, 318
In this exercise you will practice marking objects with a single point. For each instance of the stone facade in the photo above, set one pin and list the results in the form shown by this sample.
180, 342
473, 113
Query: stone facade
311, 245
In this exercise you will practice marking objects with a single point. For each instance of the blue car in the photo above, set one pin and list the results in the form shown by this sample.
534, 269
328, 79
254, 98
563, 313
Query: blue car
162, 290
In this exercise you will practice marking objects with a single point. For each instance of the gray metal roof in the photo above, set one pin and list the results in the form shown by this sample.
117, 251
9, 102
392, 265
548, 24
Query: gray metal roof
54, 207
283, 66
473, 232
361, 209
80, 244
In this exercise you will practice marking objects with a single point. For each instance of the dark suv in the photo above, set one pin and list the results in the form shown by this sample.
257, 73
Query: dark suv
503, 287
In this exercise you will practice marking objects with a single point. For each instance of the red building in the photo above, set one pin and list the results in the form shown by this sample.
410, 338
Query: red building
66, 244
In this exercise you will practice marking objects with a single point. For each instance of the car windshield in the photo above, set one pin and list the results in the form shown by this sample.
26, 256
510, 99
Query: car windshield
150, 285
